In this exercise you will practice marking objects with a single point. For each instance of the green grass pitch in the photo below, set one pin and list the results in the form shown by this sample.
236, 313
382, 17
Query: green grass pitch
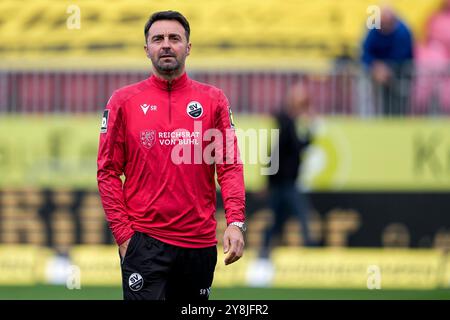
49, 292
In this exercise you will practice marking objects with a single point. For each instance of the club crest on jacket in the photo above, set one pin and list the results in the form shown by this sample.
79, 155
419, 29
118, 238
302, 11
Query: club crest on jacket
148, 138
194, 109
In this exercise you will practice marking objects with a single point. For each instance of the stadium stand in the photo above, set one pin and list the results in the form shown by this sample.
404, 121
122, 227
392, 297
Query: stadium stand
259, 31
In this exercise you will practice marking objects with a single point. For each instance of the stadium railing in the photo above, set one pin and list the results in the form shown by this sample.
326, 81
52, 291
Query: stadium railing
345, 90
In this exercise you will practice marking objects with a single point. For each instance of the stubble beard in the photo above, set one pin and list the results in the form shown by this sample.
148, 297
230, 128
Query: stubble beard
168, 68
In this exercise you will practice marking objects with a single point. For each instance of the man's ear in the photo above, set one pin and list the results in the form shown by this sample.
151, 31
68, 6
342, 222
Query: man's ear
188, 49
146, 51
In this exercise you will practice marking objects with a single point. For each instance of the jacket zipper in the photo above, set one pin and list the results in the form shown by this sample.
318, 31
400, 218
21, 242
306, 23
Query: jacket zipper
169, 89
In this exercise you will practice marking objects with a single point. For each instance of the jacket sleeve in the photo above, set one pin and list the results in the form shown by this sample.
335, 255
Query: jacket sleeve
110, 166
230, 172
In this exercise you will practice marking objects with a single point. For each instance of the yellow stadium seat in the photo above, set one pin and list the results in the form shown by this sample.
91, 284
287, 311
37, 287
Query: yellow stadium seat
224, 28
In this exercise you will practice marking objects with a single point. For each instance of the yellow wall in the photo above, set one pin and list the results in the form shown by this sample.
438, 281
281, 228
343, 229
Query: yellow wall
293, 267
347, 154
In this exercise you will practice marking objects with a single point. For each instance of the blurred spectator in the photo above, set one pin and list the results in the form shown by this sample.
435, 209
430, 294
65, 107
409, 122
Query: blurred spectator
285, 199
387, 55
438, 29
432, 87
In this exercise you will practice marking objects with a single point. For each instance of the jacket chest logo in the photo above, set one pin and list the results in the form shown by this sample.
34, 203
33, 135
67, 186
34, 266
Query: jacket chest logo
145, 107
194, 109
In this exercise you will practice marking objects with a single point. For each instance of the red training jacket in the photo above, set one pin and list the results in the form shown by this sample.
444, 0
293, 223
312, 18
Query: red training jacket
156, 134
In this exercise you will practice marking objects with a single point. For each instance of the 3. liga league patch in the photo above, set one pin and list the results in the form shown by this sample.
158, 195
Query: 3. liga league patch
104, 127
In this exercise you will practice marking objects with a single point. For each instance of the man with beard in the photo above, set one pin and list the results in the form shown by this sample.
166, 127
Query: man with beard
162, 215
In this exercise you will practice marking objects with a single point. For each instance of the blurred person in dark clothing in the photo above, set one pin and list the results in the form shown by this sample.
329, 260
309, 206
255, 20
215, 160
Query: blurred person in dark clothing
285, 199
387, 54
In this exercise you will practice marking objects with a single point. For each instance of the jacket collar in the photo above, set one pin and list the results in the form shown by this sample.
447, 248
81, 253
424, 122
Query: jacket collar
163, 84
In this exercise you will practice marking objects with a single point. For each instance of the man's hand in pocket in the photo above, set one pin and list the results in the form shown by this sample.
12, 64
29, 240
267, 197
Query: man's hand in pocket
123, 248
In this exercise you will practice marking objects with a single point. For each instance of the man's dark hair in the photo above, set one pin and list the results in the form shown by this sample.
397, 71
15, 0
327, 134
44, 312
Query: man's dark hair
168, 15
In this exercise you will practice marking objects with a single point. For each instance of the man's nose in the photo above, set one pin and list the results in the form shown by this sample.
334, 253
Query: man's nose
166, 43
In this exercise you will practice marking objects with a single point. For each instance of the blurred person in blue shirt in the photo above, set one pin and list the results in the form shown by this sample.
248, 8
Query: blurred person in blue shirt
387, 54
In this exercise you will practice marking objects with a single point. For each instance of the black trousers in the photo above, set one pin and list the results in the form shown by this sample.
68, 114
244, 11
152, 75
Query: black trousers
286, 200
154, 270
